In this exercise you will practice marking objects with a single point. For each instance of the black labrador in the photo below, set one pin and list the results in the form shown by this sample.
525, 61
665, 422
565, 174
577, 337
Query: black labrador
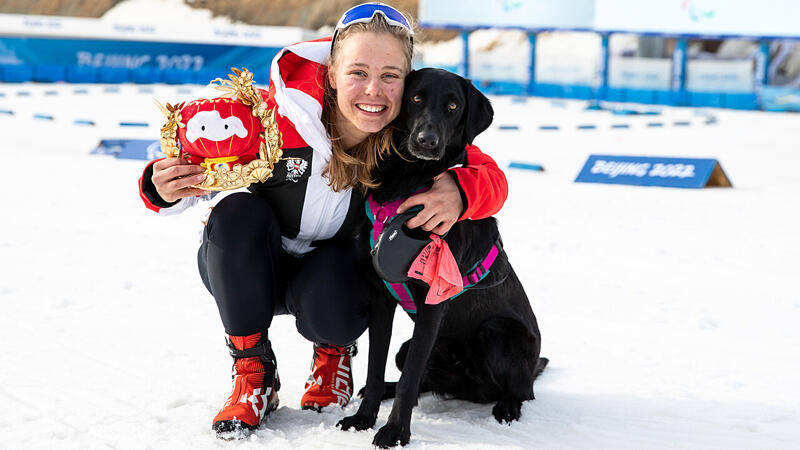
482, 346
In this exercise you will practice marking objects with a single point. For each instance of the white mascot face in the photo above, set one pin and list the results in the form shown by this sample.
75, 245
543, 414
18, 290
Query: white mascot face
210, 125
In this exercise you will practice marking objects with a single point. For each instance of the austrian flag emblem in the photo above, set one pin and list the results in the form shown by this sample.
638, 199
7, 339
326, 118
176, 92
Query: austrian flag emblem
295, 168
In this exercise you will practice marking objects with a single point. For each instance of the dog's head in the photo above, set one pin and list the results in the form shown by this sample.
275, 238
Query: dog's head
440, 110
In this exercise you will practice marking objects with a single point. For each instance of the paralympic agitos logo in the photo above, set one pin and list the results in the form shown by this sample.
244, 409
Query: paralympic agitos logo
509, 5
696, 11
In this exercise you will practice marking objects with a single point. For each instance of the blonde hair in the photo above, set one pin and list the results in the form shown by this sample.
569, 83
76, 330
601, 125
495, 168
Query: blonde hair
354, 166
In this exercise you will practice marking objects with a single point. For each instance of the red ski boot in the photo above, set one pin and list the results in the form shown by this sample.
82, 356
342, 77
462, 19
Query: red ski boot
255, 386
331, 379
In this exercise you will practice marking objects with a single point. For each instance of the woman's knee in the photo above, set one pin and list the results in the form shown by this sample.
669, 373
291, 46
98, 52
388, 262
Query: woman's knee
337, 329
331, 319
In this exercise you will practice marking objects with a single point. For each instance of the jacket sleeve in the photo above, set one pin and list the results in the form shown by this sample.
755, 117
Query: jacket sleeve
483, 185
154, 202
147, 190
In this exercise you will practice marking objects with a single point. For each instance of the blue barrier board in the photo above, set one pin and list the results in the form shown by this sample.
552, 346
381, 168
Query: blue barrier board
776, 98
525, 166
145, 149
653, 171
142, 149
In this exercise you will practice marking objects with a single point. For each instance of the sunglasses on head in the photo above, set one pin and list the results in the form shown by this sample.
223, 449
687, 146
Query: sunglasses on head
365, 12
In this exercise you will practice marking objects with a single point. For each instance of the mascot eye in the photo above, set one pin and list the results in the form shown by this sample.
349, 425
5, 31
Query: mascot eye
226, 126
203, 128
416, 99
452, 106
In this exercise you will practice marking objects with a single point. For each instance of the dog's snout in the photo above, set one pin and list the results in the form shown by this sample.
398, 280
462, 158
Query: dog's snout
427, 139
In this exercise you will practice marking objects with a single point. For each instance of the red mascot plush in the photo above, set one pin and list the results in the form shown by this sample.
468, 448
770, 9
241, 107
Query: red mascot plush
234, 137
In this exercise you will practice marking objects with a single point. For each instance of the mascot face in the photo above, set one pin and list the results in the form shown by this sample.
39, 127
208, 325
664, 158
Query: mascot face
218, 128
211, 126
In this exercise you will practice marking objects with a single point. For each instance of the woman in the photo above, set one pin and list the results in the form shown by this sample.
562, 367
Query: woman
288, 246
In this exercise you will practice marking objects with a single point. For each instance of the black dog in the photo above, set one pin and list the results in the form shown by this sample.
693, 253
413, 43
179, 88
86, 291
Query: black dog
482, 346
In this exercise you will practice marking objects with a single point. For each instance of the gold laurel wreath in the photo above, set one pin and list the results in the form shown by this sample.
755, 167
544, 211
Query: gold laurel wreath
240, 85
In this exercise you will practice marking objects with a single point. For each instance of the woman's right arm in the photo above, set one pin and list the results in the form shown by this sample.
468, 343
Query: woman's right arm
166, 181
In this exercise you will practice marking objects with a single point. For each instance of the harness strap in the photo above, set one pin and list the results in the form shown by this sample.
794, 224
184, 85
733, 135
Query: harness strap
481, 269
380, 214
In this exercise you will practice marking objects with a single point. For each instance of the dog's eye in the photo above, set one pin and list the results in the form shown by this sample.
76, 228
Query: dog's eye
416, 99
452, 106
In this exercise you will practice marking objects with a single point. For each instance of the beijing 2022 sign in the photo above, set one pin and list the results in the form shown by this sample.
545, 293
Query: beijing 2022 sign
653, 171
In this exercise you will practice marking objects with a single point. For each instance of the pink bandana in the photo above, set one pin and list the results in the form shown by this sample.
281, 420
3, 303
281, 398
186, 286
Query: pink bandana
437, 267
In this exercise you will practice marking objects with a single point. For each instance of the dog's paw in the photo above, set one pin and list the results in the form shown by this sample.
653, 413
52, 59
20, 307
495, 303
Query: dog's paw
360, 422
390, 435
507, 410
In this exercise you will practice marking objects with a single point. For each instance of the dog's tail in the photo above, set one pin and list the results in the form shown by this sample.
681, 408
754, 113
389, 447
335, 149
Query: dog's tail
541, 363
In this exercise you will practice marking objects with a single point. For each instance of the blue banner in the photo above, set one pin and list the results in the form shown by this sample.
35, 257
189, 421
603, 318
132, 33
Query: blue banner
653, 171
135, 55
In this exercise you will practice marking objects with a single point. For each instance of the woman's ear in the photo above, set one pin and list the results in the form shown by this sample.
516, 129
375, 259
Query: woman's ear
331, 78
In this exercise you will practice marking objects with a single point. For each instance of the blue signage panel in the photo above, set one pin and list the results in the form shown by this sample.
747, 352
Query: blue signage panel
135, 55
653, 171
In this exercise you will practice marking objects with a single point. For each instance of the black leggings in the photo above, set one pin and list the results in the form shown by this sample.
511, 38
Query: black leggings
252, 279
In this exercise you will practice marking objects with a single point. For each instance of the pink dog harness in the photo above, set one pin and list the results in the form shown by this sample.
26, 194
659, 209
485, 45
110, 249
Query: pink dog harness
381, 214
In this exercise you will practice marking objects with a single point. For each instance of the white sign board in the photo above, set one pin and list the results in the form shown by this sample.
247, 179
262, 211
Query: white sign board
576, 72
772, 18
700, 17
719, 76
640, 73
526, 14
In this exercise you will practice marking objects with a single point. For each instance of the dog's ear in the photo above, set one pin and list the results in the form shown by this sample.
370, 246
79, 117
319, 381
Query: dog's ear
479, 113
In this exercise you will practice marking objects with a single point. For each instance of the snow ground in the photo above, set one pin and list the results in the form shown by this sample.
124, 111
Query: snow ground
669, 315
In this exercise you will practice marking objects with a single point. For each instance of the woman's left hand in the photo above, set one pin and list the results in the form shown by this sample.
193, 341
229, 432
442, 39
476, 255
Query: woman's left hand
441, 206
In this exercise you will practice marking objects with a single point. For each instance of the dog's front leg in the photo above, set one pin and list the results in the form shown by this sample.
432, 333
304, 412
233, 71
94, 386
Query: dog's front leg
426, 328
380, 335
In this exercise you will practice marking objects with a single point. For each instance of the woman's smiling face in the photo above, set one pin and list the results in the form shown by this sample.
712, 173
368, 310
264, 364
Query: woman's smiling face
368, 78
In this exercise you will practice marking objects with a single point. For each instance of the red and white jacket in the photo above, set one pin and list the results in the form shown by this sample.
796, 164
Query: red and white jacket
306, 207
